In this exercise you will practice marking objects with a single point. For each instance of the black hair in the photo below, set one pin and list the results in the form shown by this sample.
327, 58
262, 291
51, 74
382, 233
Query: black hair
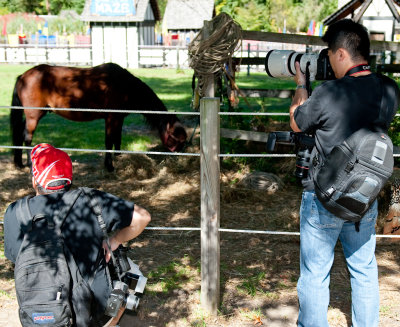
42, 190
348, 35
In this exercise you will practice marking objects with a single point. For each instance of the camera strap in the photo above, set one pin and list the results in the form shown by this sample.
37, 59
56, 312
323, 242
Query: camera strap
94, 205
358, 69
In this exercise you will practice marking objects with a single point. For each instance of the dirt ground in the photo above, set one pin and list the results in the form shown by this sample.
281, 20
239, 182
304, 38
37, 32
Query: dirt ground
258, 272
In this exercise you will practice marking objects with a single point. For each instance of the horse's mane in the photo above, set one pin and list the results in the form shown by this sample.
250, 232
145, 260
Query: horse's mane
142, 97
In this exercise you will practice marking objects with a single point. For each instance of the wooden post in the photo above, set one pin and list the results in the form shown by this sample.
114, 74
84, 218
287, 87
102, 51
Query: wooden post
210, 204
208, 88
248, 55
177, 57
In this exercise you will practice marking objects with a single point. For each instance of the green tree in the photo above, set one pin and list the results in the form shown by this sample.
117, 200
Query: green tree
270, 15
250, 14
162, 4
42, 7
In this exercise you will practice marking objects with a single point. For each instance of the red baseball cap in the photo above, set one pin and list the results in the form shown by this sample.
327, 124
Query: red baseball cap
50, 165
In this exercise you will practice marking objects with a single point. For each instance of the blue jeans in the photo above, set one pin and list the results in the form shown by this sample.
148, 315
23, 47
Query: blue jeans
319, 232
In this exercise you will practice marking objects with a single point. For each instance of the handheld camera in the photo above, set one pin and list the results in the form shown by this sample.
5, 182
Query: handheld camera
128, 288
281, 63
303, 143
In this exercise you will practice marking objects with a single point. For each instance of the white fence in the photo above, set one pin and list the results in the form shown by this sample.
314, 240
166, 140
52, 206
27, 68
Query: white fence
39, 54
148, 56
81, 55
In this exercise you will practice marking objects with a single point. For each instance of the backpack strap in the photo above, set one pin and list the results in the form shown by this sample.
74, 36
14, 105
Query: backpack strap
93, 203
383, 121
68, 199
24, 214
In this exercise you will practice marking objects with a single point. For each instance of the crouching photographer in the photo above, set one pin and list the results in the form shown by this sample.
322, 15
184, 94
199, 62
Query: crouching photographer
337, 109
68, 271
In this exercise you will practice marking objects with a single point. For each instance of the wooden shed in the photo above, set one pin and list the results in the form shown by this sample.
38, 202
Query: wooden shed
381, 17
184, 18
118, 27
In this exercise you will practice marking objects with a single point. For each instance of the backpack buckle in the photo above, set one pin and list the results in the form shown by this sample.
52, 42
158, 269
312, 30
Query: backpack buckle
316, 160
330, 191
349, 167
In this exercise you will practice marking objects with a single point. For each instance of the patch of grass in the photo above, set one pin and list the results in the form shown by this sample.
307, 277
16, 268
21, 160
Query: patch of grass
201, 317
254, 315
7, 295
173, 275
270, 295
250, 285
385, 309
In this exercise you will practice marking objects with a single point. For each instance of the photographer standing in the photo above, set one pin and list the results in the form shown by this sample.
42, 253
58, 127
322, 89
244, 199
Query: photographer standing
81, 233
334, 111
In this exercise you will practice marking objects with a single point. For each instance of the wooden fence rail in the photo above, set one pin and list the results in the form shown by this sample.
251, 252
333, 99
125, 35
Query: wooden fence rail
311, 40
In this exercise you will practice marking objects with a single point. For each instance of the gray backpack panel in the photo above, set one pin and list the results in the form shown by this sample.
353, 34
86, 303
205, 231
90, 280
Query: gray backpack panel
351, 177
50, 288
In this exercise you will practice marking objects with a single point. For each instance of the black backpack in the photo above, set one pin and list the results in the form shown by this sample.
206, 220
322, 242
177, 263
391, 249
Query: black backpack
350, 178
50, 289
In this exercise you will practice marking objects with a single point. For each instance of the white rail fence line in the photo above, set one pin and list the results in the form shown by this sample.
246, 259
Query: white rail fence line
210, 181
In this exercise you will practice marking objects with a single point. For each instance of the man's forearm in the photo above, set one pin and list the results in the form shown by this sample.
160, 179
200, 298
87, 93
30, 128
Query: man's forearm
299, 98
140, 219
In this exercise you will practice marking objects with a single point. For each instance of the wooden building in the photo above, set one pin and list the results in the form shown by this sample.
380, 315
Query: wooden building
381, 17
118, 27
184, 18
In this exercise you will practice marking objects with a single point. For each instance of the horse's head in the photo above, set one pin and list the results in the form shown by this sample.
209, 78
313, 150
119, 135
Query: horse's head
174, 136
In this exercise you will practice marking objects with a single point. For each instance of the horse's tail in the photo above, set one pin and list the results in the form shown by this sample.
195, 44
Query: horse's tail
17, 125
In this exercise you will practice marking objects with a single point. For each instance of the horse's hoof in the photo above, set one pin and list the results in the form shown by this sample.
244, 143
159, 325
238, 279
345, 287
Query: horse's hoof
109, 167
19, 165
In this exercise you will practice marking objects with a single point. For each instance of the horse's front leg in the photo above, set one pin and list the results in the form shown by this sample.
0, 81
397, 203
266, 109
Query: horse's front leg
117, 134
113, 137
109, 144
30, 127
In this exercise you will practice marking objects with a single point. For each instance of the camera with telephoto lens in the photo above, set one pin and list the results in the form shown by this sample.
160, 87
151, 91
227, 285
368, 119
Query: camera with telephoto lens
129, 287
281, 63
303, 143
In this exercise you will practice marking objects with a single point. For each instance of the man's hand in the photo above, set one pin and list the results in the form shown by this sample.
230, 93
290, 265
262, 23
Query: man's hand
107, 251
299, 98
140, 218
299, 78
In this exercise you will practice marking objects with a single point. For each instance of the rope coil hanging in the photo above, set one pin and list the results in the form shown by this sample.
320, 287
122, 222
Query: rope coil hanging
208, 55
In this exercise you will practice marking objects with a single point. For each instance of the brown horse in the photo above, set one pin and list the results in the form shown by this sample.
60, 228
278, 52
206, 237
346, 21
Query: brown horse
107, 86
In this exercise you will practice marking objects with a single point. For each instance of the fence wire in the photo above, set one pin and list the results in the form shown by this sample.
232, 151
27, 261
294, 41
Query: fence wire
231, 230
227, 230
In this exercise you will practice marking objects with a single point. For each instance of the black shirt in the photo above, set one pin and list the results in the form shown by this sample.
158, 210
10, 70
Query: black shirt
338, 108
80, 230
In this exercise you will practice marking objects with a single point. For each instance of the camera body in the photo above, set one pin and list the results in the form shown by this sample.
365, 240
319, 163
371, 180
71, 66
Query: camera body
281, 64
129, 288
303, 143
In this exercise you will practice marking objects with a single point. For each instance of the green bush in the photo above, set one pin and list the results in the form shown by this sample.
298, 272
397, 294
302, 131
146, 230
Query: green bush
28, 22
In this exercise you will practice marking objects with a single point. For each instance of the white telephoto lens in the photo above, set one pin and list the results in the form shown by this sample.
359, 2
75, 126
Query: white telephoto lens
277, 63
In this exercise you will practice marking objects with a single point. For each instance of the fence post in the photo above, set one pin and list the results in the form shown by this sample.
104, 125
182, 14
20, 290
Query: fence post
164, 57
248, 55
210, 204
177, 57
209, 87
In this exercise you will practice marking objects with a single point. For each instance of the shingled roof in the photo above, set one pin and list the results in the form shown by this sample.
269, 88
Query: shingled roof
188, 14
141, 8
350, 7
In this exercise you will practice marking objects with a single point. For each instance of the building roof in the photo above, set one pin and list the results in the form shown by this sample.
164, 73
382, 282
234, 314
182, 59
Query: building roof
139, 16
350, 7
187, 14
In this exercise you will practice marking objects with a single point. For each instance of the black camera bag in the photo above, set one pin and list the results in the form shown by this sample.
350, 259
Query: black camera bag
353, 174
49, 286
350, 178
